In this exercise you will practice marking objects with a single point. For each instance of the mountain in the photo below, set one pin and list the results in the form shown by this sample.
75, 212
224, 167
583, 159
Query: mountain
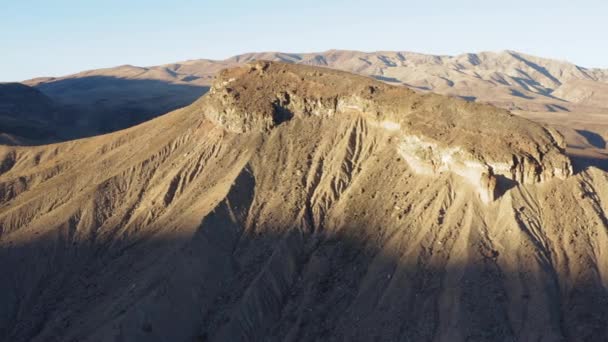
113, 99
509, 79
584, 92
26, 114
557, 93
299, 203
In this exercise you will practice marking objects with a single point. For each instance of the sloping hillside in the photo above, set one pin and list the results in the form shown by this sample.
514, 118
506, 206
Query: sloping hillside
299, 203
584, 92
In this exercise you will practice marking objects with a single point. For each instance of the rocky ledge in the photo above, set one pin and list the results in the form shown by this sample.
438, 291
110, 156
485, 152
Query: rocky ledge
435, 133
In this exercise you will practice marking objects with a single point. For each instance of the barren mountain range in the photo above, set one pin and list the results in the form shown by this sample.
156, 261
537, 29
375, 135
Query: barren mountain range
299, 203
507, 78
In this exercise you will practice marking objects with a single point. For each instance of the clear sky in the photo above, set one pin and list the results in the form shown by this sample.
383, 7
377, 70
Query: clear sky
58, 37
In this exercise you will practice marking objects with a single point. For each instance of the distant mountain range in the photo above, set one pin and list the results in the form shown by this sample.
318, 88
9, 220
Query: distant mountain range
508, 78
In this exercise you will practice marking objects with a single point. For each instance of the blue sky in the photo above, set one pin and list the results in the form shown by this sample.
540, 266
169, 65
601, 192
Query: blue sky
53, 38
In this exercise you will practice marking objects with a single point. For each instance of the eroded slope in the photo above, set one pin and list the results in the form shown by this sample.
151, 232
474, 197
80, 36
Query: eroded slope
433, 133
316, 229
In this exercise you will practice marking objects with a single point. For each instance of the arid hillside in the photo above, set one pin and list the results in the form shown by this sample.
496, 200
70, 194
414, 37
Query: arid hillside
300, 203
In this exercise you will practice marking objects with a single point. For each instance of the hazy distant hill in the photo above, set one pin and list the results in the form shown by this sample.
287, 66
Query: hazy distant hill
26, 114
112, 99
585, 92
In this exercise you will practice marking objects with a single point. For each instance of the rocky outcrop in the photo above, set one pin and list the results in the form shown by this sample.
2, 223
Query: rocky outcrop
428, 157
436, 134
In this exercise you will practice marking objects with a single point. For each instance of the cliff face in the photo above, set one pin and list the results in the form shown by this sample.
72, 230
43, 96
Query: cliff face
434, 134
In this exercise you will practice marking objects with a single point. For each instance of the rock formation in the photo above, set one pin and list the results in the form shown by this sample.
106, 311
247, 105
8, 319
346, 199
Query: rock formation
434, 134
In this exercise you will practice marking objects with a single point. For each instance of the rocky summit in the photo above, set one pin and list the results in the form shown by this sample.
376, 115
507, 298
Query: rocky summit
433, 133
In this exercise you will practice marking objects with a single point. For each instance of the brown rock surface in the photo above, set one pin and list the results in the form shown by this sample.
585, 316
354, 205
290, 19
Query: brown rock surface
312, 228
435, 133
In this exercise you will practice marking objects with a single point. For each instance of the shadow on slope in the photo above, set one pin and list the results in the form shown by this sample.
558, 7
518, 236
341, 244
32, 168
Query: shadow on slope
594, 156
582, 162
386, 79
592, 138
96, 105
279, 283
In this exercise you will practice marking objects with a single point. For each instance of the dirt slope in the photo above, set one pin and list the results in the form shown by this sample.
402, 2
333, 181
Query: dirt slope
302, 220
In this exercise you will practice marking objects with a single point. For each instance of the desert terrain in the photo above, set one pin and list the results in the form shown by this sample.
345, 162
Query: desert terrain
563, 95
296, 202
